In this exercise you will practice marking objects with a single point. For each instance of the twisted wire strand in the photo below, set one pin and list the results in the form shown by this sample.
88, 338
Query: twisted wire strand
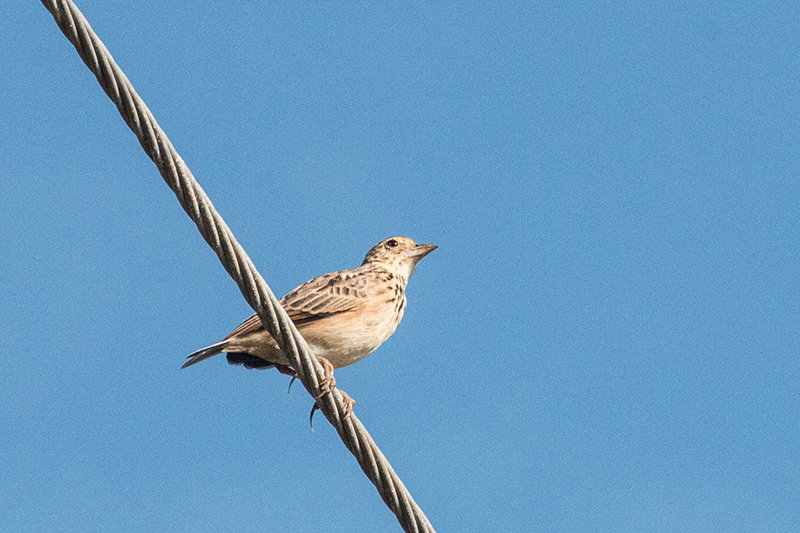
236, 262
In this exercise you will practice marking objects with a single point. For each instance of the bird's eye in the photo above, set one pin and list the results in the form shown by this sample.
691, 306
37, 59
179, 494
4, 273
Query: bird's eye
391, 243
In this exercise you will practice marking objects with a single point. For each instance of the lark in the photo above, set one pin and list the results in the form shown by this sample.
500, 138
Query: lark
344, 316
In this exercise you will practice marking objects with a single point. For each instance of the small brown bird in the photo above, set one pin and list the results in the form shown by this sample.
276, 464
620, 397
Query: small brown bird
343, 316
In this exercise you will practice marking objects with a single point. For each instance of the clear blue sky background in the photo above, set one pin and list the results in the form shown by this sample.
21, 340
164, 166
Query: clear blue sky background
607, 338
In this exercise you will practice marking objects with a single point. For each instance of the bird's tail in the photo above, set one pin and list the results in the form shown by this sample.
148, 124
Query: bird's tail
205, 353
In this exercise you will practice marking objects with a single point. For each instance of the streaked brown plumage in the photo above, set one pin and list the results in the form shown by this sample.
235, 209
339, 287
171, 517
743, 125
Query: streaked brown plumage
343, 316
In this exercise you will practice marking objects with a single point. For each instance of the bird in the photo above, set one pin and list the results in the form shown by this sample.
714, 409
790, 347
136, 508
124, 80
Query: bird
344, 316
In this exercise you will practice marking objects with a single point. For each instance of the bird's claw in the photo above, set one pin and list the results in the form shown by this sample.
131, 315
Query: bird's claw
346, 400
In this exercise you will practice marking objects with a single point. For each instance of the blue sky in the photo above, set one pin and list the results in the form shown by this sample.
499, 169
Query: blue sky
607, 338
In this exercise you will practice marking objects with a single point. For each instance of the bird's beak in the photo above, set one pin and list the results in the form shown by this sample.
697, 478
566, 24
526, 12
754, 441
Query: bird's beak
421, 250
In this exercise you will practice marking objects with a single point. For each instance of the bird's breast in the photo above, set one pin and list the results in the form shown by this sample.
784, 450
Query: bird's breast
348, 337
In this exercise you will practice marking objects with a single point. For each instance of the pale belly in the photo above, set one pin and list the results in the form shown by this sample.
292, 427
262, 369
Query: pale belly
343, 340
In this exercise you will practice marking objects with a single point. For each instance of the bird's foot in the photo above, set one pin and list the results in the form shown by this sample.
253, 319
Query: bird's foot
289, 371
328, 382
326, 386
348, 407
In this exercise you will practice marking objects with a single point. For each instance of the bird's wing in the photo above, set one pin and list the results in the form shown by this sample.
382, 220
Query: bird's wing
321, 297
327, 295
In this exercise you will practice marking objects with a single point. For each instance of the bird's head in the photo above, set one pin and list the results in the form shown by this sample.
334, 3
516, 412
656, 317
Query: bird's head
398, 254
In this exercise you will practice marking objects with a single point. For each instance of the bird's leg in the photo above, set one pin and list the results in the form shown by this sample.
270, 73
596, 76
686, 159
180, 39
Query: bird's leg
289, 371
328, 382
326, 386
283, 369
